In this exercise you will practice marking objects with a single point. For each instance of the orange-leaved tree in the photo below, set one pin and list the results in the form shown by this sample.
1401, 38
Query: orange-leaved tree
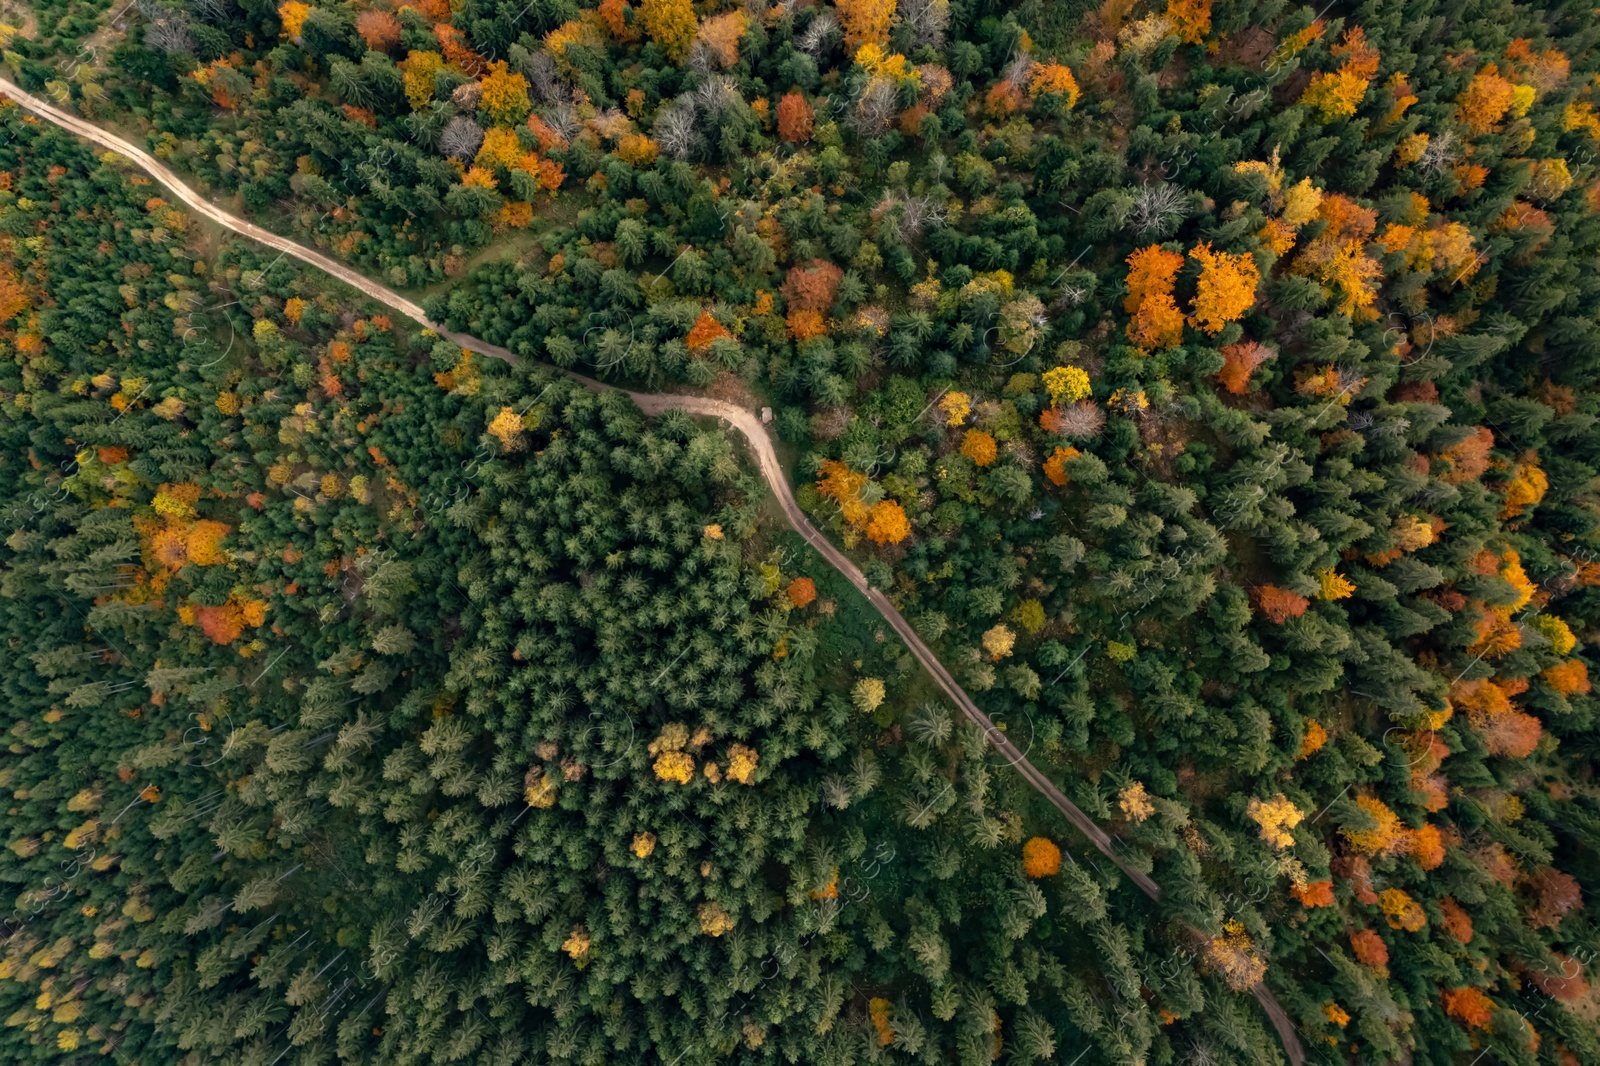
1469, 1006
795, 118
1280, 604
721, 34
619, 19
379, 29
1485, 100
809, 290
887, 523
1041, 857
1157, 322
706, 329
1239, 361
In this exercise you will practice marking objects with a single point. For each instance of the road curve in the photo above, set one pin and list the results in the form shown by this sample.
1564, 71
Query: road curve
654, 403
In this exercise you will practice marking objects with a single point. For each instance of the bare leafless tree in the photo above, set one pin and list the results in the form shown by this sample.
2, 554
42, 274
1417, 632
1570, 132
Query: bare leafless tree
875, 108
1082, 421
210, 10
1016, 72
820, 35
919, 213
1440, 152
925, 21
545, 79
562, 117
716, 94
1158, 210
703, 58
168, 32
675, 130
461, 138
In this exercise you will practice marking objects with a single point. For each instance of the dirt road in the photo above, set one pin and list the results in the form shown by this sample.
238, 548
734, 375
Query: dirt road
651, 403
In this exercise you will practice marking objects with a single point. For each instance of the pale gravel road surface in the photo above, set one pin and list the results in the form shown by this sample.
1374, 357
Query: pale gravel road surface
654, 403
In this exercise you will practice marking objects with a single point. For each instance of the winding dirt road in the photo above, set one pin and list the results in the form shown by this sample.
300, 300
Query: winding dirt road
650, 403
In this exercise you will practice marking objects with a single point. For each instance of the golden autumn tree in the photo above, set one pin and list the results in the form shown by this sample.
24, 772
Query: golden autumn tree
979, 447
1485, 100
1157, 322
843, 485
420, 71
1337, 257
1383, 832
721, 34
638, 151
1525, 488
1191, 19
1276, 817
505, 95
293, 15
1041, 858
1053, 79
1336, 95
671, 24
1227, 287
887, 523
1233, 955
865, 22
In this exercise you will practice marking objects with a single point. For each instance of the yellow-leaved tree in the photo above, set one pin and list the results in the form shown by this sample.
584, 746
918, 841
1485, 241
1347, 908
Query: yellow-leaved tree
1227, 287
671, 24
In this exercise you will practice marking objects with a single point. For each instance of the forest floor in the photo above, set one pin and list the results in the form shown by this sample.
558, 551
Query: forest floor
747, 422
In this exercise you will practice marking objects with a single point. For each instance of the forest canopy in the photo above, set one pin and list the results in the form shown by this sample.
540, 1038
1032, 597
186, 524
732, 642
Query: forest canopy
1212, 385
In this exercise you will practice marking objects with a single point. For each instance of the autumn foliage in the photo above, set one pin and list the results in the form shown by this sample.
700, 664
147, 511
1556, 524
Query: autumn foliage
979, 447
865, 22
1280, 604
1239, 361
379, 29
1370, 950
1336, 95
1227, 287
809, 291
1191, 19
706, 330
795, 118
1469, 1006
1157, 322
802, 591
1314, 894
887, 523
1485, 100
1055, 467
1040, 858
671, 24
